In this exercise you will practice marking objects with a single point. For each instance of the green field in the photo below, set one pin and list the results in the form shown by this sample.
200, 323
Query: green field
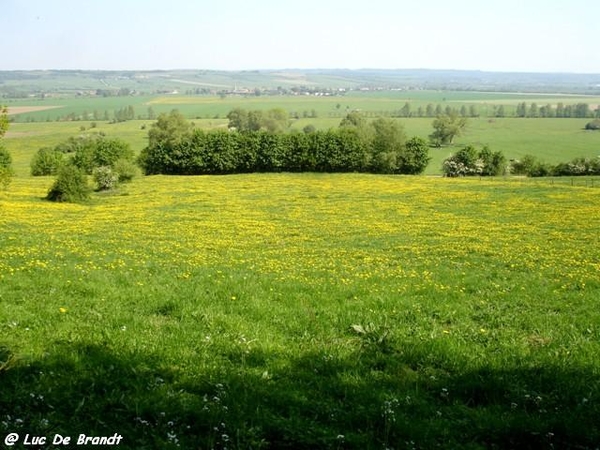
374, 103
303, 311
551, 140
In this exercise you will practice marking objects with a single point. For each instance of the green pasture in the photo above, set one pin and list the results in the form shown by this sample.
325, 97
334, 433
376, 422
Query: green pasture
303, 311
372, 103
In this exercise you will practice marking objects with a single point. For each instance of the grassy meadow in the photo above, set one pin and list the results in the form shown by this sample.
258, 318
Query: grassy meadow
303, 311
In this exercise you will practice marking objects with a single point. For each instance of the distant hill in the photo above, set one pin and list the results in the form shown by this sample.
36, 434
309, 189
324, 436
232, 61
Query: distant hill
19, 84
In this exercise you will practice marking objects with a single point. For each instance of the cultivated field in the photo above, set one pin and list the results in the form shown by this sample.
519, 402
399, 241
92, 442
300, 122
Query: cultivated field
303, 311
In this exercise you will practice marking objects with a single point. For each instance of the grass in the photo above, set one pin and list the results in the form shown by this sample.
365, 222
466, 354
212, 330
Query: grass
551, 140
303, 311
335, 106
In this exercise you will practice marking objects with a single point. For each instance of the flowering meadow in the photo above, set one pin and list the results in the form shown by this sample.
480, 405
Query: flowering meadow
303, 311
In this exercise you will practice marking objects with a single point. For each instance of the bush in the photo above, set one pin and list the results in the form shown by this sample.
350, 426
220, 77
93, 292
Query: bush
468, 161
593, 125
578, 167
96, 150
46, 162
6, 175
6, 172
531, 167
126, 170
494, 163
524, 166
463, 163
105, 178
70, 185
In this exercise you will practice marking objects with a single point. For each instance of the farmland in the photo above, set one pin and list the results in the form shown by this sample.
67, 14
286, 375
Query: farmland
302, 311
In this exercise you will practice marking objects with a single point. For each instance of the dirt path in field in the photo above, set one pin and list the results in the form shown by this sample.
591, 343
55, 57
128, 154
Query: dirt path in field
12, 110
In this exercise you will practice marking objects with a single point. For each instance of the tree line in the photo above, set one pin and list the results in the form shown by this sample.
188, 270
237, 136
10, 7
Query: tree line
577, 111
255, 144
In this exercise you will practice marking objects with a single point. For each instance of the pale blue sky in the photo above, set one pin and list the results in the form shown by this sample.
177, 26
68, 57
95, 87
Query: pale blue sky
509, 35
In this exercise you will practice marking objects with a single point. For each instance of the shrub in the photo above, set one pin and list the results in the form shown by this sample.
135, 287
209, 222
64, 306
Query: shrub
70, 185
108, 151
6, 175
577, 167
95, 151
46, 162
126, 170
6, 172
468, 161
540, 169
524, 166
494, 163
593, 125
462, 163
105, 178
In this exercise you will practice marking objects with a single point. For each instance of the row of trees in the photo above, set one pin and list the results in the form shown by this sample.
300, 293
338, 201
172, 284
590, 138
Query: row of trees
533, 167
118, 115
356, 146
472, 162
578, 111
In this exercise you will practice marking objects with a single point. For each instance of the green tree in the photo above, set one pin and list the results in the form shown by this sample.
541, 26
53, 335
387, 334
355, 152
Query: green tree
446, 128
353, 119
494, 163
310, 128
151, 113
46, 161
6, 171
276, 120
3, 121
169, 129
582, 110
522, 109
387, 145
255, 120
430, 110
415, 157
533, 110
238, 119
405, 111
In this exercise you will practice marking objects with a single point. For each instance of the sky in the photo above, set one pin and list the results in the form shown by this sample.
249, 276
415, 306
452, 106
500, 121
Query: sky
488, 35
